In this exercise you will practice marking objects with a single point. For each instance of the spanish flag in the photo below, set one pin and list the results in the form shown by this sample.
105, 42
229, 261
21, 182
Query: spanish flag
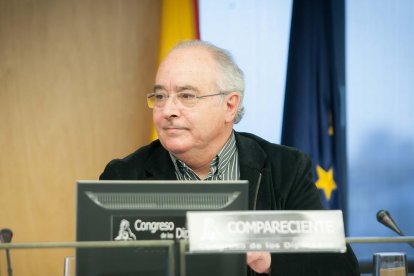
179, 21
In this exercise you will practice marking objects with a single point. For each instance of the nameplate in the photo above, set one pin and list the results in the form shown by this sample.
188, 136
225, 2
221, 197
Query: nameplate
273, 231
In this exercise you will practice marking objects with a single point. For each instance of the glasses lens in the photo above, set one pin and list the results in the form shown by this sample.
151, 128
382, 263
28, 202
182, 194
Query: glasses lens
159, 99
187, 98
151, 100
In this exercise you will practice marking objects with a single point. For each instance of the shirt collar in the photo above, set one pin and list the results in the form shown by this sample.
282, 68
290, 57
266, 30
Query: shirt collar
219, 162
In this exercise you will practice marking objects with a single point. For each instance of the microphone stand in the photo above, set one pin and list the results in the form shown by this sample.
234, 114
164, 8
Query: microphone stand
384, 217
9, 269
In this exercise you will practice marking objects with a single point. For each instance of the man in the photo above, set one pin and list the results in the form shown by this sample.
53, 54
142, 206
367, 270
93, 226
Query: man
197, 99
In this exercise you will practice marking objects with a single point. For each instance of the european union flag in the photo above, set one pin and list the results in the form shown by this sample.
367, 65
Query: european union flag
311, 119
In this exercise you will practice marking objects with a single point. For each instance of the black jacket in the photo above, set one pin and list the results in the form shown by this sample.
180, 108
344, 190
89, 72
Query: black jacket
279, 178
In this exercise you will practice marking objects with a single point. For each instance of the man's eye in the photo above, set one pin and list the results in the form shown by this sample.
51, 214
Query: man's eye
159, 97
186, 96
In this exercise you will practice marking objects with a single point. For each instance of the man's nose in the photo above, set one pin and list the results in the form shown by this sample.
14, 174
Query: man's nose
171, 107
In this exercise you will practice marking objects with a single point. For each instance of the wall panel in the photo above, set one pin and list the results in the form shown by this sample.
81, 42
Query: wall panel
73, 79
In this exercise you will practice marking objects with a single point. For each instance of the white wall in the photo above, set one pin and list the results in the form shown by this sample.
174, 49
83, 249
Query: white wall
256, 32
380, 125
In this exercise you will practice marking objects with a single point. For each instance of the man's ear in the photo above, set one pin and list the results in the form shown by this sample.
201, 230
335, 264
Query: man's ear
232, 102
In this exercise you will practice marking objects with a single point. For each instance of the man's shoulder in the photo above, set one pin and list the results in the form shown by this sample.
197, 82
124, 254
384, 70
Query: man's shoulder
143, 153
133, 166
255, 142
139, 157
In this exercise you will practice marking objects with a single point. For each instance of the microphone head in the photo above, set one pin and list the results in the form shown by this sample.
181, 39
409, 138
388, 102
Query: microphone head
381, 214
6, 235
385, 218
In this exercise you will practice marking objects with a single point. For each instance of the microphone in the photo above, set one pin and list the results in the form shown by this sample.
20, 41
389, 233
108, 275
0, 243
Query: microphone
6, 237
384, 217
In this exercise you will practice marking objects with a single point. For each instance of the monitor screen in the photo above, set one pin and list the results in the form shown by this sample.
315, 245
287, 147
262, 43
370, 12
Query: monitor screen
151, 210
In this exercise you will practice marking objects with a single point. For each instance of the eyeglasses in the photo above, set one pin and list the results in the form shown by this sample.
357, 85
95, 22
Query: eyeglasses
187, 99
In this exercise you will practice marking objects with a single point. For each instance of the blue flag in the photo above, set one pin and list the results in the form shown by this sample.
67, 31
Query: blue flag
311, 118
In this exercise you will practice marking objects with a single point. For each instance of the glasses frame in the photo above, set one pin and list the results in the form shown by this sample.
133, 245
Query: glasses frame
151, 100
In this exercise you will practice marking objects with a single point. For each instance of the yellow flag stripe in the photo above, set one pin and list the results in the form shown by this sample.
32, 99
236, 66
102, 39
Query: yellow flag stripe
179, 21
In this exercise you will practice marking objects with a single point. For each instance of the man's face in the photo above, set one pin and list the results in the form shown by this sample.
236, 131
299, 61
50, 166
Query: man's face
183, 129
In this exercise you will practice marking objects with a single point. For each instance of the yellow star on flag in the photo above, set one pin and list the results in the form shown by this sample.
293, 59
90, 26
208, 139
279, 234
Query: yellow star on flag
326, 181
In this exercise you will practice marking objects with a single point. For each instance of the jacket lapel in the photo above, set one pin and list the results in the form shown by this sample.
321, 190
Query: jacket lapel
159, 165
252, 161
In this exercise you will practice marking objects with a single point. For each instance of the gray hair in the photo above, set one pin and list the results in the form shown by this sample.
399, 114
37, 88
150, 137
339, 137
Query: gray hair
233, 78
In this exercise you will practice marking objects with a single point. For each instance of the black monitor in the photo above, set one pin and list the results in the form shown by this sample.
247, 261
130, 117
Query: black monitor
151, 210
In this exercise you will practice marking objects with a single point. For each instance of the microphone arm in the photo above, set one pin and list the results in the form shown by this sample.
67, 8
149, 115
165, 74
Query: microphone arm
384, 217
5, 237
